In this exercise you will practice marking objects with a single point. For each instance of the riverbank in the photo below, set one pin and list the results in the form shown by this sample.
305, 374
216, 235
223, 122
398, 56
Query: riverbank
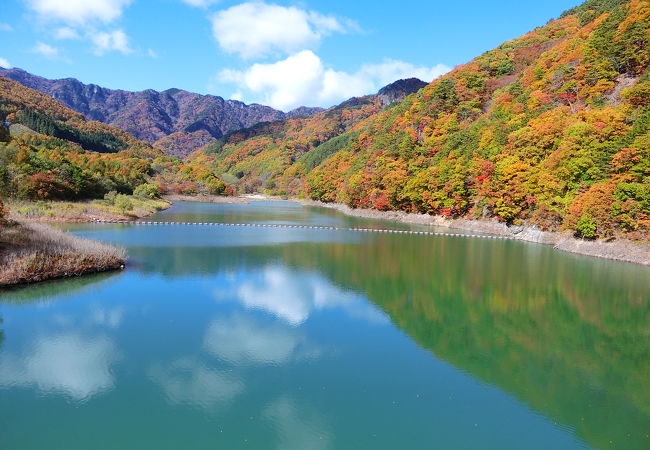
124, 209
619, 249
31, 252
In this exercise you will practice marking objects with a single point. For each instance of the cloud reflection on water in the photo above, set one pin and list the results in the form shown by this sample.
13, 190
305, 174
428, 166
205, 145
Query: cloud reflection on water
296, 428
70, 364
241, 340
188, 381
293, 295
107, 317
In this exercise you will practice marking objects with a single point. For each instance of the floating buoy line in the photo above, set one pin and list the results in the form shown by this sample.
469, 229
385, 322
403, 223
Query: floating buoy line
308, 227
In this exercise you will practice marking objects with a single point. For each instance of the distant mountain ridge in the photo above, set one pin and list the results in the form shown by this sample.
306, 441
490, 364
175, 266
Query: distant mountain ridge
174, 120
255, 157
42, 114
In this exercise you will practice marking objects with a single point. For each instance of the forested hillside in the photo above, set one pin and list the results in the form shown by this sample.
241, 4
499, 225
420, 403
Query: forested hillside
48, 151
272, 154
19, 104
550, 129
174, 121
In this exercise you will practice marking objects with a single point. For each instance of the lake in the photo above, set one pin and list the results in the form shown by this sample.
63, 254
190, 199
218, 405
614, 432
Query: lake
273, 338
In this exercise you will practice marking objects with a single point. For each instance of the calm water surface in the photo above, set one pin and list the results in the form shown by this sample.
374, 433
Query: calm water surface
237, 338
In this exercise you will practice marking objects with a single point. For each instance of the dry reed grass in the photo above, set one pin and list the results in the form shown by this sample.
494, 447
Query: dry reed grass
32, 252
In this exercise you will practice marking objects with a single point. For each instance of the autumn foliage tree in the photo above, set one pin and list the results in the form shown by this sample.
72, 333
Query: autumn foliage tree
549, 129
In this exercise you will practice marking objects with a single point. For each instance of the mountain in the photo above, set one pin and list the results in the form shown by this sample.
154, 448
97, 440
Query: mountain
303, 111
550, 129
260, 154
50, 152
396, 91
43, 114
176, 121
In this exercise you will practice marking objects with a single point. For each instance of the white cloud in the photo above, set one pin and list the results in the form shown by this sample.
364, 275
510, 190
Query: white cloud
6, 27
325, 25
302, 79
256, 29
391, 70
79, 12
200, 3
85, 18
151, 53
4, 63
69, 364
46, 50
66, 33
106, 41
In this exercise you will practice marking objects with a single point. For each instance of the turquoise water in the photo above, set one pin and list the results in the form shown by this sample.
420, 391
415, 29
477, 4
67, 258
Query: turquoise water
258, 338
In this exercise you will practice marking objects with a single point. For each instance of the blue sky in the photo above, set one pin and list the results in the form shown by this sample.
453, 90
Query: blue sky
280, 53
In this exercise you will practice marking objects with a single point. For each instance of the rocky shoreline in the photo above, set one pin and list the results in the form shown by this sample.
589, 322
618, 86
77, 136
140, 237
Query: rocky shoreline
620, 249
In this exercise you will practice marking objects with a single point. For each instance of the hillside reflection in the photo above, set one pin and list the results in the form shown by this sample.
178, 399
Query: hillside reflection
566, 334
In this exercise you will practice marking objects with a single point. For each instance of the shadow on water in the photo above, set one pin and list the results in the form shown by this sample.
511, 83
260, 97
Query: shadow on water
46, 291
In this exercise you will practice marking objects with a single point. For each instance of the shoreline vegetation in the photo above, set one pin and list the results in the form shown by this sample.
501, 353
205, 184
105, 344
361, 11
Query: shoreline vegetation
32, 252
121, 208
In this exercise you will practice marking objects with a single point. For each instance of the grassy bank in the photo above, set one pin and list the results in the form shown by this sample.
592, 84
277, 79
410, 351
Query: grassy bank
32, 252
122, 207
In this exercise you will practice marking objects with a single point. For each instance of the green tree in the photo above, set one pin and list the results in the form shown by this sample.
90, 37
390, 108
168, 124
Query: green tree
123, 203
147, 190
586, 227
